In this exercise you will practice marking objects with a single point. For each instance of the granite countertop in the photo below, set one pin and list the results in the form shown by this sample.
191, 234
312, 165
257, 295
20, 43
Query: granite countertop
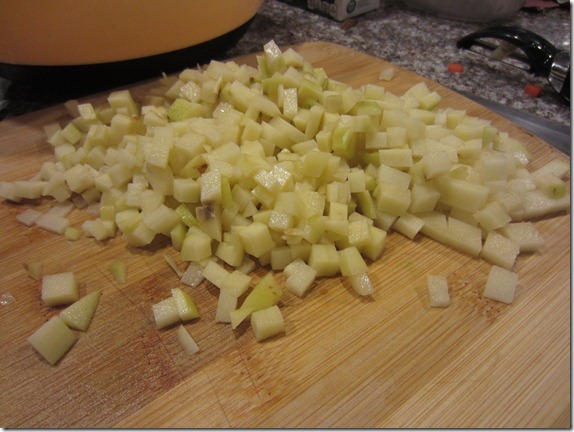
418, 41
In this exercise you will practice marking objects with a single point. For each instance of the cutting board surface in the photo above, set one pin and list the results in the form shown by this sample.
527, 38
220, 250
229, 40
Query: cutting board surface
386, 361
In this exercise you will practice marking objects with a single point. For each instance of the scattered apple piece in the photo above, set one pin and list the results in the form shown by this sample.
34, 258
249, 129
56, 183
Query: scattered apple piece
53, 339
500, 285
267, 323
59, 289
34, 270
165, 313
186, 340
186, 307
437, 287
79, 314
118, 270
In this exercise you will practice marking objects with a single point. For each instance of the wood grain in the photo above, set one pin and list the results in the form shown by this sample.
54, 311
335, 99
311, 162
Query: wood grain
387, 361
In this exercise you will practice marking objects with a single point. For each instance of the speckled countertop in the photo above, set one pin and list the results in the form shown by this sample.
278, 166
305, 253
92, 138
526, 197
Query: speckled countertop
418, 41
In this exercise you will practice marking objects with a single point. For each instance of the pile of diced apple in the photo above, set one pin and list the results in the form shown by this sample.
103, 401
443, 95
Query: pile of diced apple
283, 166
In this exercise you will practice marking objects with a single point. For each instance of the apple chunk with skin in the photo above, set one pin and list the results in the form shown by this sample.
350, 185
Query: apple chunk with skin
265, 294
80, 313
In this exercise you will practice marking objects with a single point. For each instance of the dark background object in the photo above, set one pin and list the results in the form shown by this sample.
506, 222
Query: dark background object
49, 85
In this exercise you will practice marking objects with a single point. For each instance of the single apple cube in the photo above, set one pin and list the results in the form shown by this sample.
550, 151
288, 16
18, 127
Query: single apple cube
300, 277
461, 193
186, 340
256, 239
351, 262
196, 246
437, 287
376, 245
464, 236
28, 217
161, 220
236, 282
53, 222
524, 234
409, 225
423, 198
60, 289
492, 216
361, 283
500, 250
501, 285
53, 339
79, 314
193, 275
166, 313
436, 164
392, 199
226, 303
280, 257
186, 307
215, 273
34, 270
267, 323
324, 258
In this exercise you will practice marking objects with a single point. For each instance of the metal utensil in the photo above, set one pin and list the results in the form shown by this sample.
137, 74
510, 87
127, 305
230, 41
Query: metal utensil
525, 50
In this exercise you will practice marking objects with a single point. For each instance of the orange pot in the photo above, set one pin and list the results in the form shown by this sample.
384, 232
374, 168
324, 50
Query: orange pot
72, 32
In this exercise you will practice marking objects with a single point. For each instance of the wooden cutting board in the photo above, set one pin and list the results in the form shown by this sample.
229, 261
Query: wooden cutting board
387, 361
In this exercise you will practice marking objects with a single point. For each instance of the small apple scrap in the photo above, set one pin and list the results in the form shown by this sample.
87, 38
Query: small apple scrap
55, 337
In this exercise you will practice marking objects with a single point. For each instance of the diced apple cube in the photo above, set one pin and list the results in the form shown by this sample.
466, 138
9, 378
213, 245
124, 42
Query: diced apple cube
53, 223
524, 234
324, 258
226, 303
392, 199
492, 216
408, 224
437, 287
361, 283
501, 285
34, 270
500, 250
256, 239
236, 282
267, 323
185, 304
351, 262
300, 277
436, 164
53, 339
196, 246
166, 313
59, 289
461, 193
28, 217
